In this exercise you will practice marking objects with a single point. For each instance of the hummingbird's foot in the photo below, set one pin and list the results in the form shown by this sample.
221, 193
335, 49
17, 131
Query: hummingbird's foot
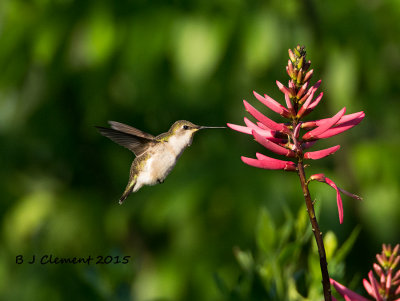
160, 181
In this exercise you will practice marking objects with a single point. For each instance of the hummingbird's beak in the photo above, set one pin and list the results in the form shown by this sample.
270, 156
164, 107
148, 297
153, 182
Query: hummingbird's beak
211, 127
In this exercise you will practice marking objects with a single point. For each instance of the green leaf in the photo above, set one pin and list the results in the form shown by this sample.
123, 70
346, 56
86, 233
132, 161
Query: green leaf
302, 226
245, 259
330, 242
265, 232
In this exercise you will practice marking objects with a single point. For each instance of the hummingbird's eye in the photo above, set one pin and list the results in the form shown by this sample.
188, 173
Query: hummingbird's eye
185, 127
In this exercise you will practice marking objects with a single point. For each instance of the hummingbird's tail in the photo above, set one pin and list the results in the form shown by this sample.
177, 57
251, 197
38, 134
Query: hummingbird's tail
124, 196
128, 190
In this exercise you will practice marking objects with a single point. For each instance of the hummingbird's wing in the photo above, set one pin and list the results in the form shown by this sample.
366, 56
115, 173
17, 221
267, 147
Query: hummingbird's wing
138, 145
129, 130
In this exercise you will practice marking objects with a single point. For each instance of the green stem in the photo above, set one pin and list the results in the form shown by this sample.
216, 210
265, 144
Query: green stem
317, 232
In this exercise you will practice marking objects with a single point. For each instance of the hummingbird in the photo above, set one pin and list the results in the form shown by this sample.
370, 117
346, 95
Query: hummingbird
156, 156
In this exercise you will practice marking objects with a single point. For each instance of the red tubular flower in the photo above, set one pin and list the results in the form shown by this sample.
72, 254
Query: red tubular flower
308, 98
277, 149
265, 131
309, 108
283, 89
321, 178
344, 119
321, 153
284, 138
342, 128
272, 104
310, 90
264, 119
269, 163
327, 124
346, 293
388, 286
249, 129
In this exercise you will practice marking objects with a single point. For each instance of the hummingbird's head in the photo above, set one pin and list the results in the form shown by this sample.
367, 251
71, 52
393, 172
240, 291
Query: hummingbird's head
184, 130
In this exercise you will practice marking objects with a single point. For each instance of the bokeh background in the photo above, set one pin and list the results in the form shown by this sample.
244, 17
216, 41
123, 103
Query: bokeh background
67, 65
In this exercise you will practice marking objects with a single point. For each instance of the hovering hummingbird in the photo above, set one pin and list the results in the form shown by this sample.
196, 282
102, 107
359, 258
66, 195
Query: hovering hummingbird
155, 156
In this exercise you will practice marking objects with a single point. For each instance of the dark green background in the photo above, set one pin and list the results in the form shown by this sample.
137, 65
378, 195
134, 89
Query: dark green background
68, 65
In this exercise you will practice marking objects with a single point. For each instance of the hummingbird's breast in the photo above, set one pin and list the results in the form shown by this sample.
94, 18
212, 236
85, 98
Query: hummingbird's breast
164, 161
159, 164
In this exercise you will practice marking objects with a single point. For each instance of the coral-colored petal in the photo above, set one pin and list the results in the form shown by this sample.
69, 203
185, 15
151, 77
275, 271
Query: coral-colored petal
269, 164
344, 291
264, 119
266, 164
307, 102
309, 98
321, 178
314, 134
338, 198
388, 282
344, 119
334, 131
289, 165
382, 281
321, 153
261, 125
248, 129
288, 102
368, 287
303, 88
378, 269
239, 128
282, 140
351, 117
318, 177
380, 259
374, 285
396, 262
396, 249
266, 132
315, 102
281, 87
312, 106
397, 291
313, 88
342, 128
396, 276
273, 146
272, 104
308, 75
287, 93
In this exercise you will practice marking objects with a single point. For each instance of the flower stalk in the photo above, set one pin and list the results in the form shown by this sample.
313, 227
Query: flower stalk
316, 231
284, 138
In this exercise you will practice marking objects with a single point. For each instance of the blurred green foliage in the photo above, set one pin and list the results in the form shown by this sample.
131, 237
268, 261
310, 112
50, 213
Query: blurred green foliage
287, 264
67, 65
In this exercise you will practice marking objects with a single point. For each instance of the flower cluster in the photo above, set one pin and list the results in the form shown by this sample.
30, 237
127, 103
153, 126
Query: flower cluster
387, 287
286, 138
